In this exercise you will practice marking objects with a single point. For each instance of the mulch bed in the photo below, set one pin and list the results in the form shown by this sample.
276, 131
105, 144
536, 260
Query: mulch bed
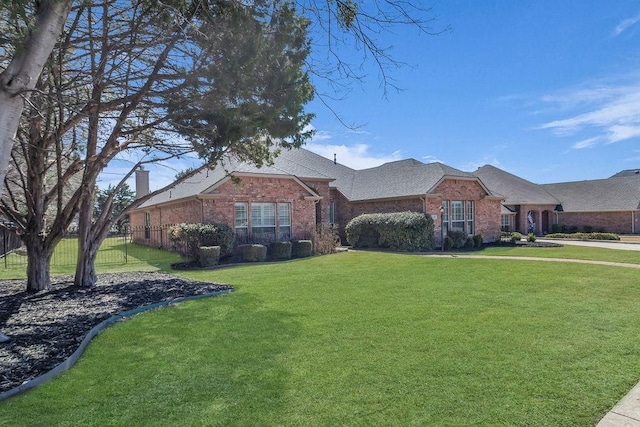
46, 327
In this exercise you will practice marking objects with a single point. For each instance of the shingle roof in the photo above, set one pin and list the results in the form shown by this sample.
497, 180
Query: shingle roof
207, 178
613, 194
401, 178
627, 172
515, 190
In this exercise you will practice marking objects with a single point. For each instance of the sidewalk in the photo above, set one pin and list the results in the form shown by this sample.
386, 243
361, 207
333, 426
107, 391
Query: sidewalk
625, 245
626, 413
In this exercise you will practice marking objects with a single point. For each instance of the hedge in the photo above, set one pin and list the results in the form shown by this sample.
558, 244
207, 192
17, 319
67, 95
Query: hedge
402, 231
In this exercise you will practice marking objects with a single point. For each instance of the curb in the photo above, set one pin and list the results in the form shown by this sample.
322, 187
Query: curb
71, 360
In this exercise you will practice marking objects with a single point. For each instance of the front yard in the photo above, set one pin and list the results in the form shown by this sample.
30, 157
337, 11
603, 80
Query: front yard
364, 338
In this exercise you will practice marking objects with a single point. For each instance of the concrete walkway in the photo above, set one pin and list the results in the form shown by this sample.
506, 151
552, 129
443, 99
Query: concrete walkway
624, 245
626, 413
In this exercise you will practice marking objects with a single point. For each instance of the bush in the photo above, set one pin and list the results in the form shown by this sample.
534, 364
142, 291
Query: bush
208, 256
448, 243
556, 228
531, 237
469, 243
192, 236
402, 231
459, 239
279, 250
301, 248
515, 237
587, 229
584, 236
477, 241
253, 253
325, 240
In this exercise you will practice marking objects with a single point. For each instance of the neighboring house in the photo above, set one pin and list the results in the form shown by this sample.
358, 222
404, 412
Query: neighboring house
611, 204
302, 189
527, 207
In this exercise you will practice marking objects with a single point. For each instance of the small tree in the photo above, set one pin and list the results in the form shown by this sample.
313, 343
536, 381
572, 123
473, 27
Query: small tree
122, 198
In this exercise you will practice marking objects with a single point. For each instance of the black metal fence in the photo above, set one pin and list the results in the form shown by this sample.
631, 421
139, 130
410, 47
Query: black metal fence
116, 249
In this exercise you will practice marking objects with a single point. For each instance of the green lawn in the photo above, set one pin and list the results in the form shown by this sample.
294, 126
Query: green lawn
567, 251
114, 255
364, 338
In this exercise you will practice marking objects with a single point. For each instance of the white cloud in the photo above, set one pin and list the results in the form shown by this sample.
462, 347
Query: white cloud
610, 114
356, 156
623, 25
485, 160
431, 159
586, 143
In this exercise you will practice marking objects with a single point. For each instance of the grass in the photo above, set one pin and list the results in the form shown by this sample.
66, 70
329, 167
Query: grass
114, 255
364, 338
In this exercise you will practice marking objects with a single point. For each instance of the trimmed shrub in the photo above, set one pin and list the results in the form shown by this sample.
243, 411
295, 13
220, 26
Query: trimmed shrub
587, 229
477, 241
301, 248
448, 243
253, 253
208, 256
402, 231
458, 237
515, 237
531, 237
192, 236
469, 243
584, 236
279, 250
556, 228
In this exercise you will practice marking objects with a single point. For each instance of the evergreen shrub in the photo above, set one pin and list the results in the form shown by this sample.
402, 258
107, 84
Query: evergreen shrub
301, 248
253, 252
402, 231
208, 256
279, 250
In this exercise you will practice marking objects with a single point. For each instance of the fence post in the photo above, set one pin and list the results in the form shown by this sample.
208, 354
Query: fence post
126, 246
4, 246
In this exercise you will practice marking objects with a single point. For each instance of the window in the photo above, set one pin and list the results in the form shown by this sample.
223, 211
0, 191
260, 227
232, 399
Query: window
284, 221
506, 222
263, 220
241, 220
469, 217
332, 212
457, 215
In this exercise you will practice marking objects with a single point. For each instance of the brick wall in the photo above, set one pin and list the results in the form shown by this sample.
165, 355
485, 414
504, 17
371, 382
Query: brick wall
487, 211
612, 222
220, 207
487, 215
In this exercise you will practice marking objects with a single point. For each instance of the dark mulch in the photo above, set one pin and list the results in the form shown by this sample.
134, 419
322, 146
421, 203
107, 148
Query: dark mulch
46, 327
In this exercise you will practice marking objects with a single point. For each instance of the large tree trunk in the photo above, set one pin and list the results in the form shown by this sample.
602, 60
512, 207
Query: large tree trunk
88, 244
23, 71
86, 267
38, 263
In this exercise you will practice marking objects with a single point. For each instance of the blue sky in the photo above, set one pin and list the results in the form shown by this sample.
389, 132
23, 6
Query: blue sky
547, 90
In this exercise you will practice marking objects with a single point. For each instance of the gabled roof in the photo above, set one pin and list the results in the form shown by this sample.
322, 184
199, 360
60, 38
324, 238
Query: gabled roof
208, 179
403, 178
612, 194
515, 190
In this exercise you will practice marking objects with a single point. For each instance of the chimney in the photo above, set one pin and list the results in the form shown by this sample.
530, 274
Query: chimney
142, 182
